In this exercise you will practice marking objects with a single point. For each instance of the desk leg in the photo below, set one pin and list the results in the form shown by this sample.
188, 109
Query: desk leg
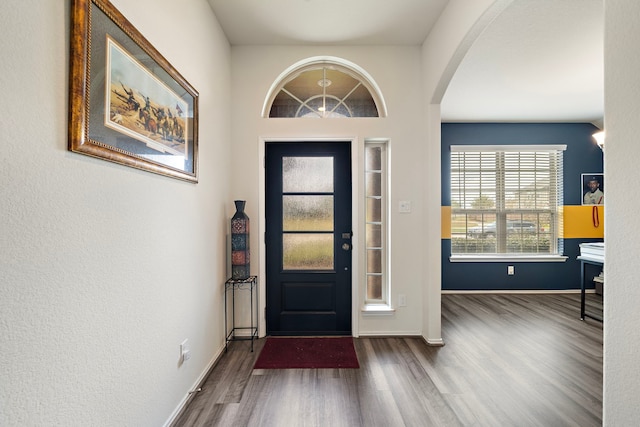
582, 290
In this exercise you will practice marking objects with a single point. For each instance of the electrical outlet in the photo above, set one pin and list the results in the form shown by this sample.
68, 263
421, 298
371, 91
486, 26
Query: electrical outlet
511, 270
185, 351
402, 300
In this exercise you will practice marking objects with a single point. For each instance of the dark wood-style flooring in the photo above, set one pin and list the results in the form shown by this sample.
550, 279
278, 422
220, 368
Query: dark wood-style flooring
508, 360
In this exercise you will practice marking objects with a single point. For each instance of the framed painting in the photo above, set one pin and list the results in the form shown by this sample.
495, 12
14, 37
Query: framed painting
592, 189
127, 104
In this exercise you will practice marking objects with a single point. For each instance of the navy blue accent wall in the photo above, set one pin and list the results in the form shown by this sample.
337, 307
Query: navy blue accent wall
582, 156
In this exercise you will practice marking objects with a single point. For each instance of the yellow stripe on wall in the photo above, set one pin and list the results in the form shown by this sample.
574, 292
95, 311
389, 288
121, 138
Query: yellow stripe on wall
578, 222
445, 214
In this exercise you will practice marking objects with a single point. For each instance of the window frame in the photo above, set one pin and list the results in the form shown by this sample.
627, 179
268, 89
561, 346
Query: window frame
330, 62
382, 304
500, 211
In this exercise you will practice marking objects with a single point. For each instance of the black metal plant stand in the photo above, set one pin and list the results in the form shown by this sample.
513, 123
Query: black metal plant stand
249, 284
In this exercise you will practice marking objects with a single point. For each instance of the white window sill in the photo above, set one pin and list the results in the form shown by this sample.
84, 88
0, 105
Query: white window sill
507, 258
377, 310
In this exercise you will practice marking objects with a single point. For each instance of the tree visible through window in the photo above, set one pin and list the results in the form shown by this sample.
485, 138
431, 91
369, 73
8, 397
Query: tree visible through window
506, 199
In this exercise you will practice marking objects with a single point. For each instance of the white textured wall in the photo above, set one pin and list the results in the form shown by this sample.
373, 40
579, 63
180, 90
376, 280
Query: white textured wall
407, 77
622, 157
105, 269
397, 72
457, 28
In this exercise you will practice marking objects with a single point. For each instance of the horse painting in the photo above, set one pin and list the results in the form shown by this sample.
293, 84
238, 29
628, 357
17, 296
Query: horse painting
150, 124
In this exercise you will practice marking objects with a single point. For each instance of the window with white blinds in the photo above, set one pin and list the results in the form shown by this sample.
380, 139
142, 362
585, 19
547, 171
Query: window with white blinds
506, 199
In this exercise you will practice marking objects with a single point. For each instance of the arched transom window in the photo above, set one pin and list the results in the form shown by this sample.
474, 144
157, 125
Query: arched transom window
323, 88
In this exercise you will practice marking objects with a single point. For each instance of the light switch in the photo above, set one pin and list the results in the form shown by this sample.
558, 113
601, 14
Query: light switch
405, 206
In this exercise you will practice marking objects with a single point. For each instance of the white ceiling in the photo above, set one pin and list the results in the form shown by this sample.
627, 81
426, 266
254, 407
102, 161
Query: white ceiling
323, 22
539, 61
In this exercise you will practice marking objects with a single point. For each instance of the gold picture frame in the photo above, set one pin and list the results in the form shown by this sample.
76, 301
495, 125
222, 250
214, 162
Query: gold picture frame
127, 104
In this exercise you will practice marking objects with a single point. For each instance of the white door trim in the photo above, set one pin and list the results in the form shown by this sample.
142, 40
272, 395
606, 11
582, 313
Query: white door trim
356, 183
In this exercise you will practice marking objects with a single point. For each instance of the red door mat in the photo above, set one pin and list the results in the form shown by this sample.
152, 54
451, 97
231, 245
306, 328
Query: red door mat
293, 353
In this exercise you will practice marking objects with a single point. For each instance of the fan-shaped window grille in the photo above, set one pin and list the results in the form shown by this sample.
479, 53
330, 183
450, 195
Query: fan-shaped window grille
325, 90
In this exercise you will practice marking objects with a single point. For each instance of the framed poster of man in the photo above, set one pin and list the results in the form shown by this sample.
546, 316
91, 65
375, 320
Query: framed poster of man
593, 189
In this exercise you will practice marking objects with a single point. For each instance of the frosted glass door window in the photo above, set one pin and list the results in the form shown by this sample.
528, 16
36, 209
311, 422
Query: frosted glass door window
308, 251
307, 213
307, 174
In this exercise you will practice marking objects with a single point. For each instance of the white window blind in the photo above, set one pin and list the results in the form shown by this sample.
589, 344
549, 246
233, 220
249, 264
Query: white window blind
506, 199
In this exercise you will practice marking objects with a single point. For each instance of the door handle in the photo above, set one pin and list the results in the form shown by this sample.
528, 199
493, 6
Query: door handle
346, 246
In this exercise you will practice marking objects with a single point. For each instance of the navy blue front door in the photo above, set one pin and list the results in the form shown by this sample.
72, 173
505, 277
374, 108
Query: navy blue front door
308, 238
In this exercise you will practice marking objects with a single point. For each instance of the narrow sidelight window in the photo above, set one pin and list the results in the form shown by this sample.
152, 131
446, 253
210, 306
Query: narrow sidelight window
376, 223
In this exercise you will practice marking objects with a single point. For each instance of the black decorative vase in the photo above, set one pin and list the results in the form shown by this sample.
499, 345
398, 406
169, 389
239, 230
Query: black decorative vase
240, 243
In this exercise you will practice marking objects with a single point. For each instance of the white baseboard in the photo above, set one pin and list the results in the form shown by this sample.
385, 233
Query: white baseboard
187, 398
439, 342
434, 343
390, 334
